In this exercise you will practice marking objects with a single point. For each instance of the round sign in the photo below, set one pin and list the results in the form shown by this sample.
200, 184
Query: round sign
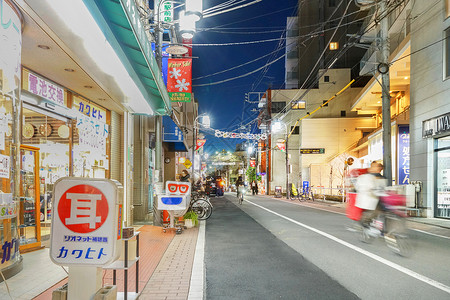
83, 208
177, 50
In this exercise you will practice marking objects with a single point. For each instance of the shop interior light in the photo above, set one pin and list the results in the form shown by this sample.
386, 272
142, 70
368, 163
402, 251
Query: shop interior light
194, 8
78, 19
187, 25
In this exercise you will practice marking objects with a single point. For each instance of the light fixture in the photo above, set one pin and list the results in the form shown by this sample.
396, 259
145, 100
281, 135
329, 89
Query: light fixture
69, 70
250, 149
406, 77
276, 126
187, 25
194, 8
206, 122
44, 47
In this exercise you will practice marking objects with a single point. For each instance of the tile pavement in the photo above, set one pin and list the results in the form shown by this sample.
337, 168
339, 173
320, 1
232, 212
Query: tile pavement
165, 270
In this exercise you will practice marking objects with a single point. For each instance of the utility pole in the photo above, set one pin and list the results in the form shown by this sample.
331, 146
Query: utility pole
383, 68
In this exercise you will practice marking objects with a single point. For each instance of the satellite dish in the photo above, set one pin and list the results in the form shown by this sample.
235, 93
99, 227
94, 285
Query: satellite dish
176, 50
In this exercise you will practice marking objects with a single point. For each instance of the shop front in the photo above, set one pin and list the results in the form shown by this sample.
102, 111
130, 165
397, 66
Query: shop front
63, 135
10, 59
438, 129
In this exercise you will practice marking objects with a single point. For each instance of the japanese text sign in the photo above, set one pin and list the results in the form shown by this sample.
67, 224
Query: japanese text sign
179, 80
43, 88
403, 154
89, 109
84, 222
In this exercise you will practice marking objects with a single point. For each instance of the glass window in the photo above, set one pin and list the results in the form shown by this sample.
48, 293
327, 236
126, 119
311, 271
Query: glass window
443, 183
300, 104
278, 107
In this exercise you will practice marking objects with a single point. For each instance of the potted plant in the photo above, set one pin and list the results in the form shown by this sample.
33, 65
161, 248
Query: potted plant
190, 219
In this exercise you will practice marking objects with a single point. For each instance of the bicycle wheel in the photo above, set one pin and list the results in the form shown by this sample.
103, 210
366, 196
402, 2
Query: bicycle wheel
241, 198
202, 208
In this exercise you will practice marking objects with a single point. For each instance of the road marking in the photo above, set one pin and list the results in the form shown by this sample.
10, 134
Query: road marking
340, 213
404, 270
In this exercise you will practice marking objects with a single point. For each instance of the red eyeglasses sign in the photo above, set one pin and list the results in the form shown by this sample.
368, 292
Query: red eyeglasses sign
85, 221
177, 188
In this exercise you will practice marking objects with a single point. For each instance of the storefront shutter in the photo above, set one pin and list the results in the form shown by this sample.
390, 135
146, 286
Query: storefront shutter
116, 147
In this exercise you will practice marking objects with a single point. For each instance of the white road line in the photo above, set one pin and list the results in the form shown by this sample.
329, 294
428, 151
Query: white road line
404, 270
340, 213
197, 285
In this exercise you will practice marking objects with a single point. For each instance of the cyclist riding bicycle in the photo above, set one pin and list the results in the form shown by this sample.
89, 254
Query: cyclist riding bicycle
239, 182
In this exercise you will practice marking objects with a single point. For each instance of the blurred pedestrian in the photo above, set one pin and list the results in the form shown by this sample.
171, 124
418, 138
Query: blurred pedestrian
254, 187
185, 177
370, 187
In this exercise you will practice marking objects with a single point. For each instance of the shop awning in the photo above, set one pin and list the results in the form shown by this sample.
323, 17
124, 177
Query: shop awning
173, 135
120, 22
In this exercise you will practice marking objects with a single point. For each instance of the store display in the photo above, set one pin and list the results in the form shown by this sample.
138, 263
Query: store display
45, 129
28, 131
63, 131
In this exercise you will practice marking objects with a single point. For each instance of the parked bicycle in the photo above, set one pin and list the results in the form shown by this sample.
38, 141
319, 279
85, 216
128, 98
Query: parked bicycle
201, 206
306, 194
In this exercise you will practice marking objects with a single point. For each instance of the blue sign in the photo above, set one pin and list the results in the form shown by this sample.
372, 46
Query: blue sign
171, 132
165, 61
305, 187
403, 154
171, 200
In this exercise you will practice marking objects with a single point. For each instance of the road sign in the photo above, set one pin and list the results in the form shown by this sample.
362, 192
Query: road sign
187, 163
85, 221
312, 151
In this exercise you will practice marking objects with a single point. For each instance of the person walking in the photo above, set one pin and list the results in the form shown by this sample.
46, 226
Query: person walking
254, 187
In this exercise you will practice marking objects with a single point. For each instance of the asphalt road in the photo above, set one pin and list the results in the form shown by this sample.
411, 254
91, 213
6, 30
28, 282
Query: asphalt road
246, 261
269, 249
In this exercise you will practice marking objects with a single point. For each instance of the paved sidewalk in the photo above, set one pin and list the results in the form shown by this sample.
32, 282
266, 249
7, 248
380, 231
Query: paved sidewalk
166, 259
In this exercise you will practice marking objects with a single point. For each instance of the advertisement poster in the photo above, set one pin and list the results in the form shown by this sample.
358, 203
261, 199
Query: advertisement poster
5, 166
179, 80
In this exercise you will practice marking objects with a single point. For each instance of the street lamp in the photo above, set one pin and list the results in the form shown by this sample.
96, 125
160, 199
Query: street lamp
276, 127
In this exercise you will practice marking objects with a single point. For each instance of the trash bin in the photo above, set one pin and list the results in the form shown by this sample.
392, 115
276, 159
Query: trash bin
278, 192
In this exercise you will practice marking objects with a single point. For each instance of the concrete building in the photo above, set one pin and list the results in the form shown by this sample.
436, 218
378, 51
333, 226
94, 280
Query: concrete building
430, 106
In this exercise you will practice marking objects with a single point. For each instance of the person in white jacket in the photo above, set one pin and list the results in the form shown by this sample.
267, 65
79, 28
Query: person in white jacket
369, 188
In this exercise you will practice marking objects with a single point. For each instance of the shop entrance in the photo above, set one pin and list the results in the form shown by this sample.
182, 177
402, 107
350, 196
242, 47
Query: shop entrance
50, 133
442, 209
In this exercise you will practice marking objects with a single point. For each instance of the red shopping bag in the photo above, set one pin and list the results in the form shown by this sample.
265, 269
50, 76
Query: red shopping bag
352, 211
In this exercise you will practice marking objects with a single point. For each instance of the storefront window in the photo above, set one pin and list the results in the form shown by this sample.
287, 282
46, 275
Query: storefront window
90, 140
50, 134
443, 178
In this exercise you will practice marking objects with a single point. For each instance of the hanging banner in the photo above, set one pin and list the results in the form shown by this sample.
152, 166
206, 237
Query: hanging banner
281, 146
200, 143
236, 135
253, 163
179, 80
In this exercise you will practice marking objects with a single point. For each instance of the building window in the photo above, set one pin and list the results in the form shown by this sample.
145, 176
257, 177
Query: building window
278, 107
447, 54
331, 3
325, 101
343, 113
295, 130
326, 78
300, 104
334, 46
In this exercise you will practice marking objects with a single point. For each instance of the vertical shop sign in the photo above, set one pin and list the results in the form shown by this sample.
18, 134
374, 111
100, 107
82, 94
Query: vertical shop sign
179, 80
85, 222
403, 154
166, 11
10, 48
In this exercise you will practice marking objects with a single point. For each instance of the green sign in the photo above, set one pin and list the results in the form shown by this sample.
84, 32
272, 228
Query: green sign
312, 151
180, 97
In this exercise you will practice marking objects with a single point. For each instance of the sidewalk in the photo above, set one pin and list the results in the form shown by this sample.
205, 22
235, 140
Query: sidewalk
165, 269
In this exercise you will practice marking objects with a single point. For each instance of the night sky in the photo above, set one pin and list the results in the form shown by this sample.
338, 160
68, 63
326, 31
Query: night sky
225, 102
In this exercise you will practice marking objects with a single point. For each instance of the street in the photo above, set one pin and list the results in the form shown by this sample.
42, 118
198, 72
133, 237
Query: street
267, 249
